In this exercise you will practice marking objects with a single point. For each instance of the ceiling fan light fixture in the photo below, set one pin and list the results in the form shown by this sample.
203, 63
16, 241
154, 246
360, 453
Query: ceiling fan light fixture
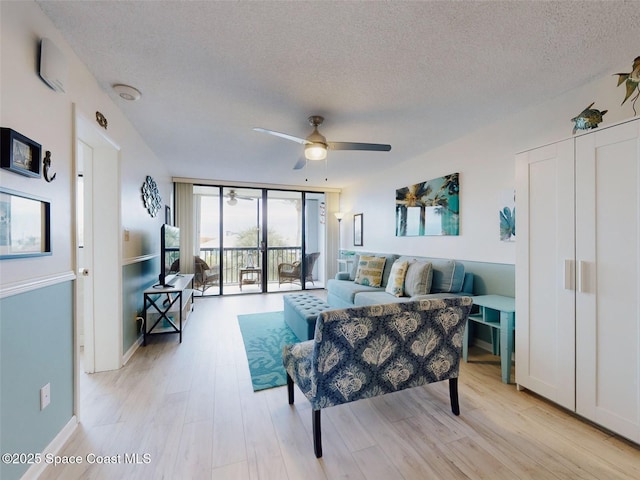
232, 201
315, 151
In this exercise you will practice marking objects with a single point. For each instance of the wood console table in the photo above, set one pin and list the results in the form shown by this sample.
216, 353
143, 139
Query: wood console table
498, 312
166, 309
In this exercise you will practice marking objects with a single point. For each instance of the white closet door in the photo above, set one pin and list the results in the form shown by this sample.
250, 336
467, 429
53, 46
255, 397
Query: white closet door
545, 283
608, 259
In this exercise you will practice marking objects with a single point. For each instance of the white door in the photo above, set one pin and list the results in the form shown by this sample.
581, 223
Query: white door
608, 259
84, 254
545, 296
101, 264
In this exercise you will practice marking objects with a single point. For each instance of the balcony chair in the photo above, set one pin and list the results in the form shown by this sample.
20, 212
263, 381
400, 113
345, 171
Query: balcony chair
292, 272
203, 275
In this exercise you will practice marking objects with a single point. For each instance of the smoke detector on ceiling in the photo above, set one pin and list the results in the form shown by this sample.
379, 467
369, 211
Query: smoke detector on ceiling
127, 92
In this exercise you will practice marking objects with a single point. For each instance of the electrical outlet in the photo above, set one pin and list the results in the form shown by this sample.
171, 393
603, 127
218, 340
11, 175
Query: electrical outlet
45, 396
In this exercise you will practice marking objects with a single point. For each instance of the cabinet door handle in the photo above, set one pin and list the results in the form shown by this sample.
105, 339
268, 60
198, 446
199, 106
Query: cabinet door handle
582, 281
568, 275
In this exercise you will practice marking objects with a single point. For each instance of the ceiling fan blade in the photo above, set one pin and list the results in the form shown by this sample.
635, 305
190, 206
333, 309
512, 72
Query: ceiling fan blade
283, 135
300, 164
376, 147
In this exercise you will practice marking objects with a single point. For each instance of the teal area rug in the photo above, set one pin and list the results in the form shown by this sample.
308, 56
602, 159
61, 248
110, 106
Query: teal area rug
264, 335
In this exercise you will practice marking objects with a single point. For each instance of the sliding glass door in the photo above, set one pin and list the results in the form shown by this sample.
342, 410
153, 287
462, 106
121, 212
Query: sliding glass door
260, 240
284, 240
207, 215
242, 219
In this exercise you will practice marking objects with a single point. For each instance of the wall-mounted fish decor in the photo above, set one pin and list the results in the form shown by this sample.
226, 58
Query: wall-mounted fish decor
588, 118
632, 82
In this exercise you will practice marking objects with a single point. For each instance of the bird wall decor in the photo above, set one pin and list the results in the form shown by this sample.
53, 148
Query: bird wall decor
632, 83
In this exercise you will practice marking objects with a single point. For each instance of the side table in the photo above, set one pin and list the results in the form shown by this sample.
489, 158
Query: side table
498, 312
253, 274
166, 308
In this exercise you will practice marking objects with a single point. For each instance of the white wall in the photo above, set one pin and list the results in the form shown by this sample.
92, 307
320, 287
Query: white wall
36, 294
30, 107
485, 160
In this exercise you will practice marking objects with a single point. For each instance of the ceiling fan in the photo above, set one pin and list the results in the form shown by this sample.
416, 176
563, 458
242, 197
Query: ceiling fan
233, 198
316, 145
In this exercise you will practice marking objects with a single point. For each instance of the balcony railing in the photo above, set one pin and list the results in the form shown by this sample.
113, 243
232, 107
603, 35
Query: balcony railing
235, 258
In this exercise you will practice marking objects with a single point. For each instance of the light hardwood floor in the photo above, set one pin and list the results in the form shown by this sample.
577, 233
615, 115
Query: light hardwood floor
191, 408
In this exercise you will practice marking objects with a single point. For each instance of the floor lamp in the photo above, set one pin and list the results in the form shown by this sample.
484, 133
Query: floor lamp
339, 216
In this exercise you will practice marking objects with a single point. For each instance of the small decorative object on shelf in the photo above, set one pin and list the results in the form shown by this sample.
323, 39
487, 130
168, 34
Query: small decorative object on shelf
588, 118
20, 154
46, 163
102, 120
151, 196
632, 82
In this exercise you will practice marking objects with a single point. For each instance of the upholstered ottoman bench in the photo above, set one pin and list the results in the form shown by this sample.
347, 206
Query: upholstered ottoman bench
301, 311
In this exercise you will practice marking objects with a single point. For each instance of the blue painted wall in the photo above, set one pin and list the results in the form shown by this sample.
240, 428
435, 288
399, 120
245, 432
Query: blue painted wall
136, 278
36, 348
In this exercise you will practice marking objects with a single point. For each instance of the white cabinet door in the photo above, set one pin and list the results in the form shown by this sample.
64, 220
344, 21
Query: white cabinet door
545, 279
608, 278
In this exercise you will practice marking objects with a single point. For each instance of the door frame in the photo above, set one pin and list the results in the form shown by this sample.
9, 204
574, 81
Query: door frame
104, 330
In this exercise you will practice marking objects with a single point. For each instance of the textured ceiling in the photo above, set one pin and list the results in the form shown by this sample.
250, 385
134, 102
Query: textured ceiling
412, 74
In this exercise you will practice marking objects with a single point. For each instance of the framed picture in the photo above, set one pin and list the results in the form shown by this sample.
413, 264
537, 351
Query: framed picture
25, 225
429, 208
20, 154
357, 230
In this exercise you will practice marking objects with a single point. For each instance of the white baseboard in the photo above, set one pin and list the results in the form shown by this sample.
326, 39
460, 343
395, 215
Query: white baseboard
486, 346
482, 344
53, 448
127, 356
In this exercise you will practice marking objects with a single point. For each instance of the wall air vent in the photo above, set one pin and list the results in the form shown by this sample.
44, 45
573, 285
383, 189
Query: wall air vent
53, 66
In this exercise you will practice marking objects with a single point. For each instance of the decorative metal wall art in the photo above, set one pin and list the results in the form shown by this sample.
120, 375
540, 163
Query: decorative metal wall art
632, 83
151, 196
429, 208
102, 120
19, 153
588, 118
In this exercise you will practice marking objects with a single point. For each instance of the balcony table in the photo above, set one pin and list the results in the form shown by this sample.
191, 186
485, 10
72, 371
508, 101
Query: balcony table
253, 274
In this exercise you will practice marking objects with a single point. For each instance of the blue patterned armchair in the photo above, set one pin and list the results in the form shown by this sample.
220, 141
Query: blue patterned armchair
363, 352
